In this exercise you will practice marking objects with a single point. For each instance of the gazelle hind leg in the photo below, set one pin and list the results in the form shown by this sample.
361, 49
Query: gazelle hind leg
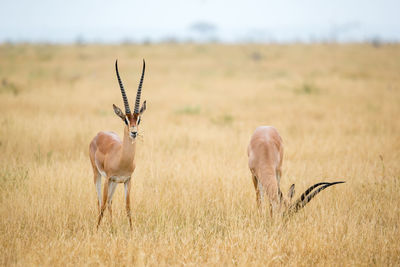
97, 184
105, 196
256, 188
111, 190
269, 186
260, 192
278, 176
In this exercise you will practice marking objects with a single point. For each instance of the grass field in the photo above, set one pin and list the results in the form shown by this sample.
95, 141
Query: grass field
337, 108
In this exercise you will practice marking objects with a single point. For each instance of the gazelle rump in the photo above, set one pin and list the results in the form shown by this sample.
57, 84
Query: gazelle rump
265, 152
114, 158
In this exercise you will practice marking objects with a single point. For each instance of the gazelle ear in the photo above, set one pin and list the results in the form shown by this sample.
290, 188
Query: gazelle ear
143, 108
120, 114
291, 192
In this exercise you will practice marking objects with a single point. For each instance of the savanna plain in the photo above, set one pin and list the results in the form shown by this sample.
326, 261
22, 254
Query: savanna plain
337, 108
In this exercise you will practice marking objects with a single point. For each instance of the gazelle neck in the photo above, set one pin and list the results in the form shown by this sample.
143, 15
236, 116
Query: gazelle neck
128, 147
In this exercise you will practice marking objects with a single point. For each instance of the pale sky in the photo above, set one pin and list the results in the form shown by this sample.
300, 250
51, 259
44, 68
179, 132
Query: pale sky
155, 20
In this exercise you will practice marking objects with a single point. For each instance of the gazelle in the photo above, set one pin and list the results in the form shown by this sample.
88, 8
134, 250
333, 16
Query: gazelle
115, 159
265, 153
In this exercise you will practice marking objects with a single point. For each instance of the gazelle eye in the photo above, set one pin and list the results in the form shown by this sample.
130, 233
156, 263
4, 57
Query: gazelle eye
138, 121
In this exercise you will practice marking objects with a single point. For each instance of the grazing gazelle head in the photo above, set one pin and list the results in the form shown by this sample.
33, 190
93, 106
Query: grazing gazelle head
285, 201
132, 121
306, 196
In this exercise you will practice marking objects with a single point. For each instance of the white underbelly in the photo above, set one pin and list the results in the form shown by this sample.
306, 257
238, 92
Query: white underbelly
115, 179
120, 179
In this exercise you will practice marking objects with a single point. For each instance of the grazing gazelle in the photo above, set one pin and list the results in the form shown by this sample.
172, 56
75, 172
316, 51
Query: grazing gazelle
115, 159
265, 153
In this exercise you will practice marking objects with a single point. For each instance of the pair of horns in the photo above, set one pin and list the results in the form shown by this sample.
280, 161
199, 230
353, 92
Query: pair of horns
308, 195
138, 94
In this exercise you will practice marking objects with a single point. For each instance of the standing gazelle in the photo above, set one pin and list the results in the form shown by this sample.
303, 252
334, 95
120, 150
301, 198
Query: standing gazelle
115, 159
265, 153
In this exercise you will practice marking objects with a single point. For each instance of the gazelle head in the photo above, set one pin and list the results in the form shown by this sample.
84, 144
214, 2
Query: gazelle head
131, 121
310, 193
285, 201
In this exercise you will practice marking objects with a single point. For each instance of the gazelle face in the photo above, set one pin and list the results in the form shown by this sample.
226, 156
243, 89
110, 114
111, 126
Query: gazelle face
131, 121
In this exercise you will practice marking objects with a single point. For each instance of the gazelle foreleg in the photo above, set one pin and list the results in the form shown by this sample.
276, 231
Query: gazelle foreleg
105, 196
127, 186
111, 190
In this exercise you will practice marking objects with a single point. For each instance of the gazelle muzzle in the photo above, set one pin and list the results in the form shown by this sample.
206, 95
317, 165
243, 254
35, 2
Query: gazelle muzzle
133, 132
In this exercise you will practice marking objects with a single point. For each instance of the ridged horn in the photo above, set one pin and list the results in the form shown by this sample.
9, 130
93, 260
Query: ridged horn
139, 90
121, 86
306, 196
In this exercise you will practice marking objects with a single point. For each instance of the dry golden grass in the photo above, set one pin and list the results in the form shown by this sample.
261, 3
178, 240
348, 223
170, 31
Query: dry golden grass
337, 108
